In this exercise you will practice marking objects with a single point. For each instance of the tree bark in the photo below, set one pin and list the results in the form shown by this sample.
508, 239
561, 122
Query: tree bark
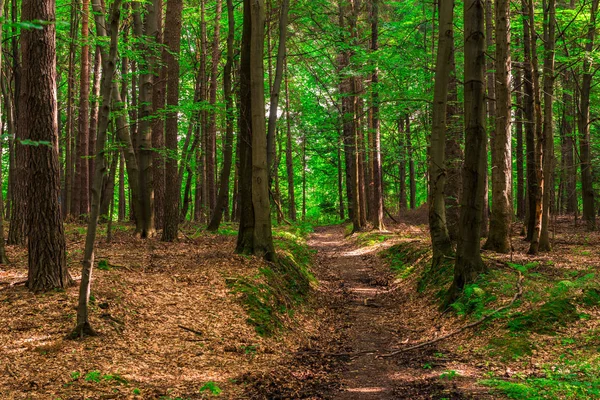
173, 23
223, 196
440, 239
38, 123
469, 264
289, 157
500, 223
548, 128
109, 61
587, 187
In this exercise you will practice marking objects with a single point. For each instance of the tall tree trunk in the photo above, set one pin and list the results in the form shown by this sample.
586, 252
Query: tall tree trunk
223, 196
587, 187
3, 257
276, 89
94, 115
109, 61
529, 122
158, 130
567, 125
148, 35
38, 122
211, 133
376, 173
454, 153
500, 223
519, 116
536, 190
411, 165
402, 201
548, 134
173, 23
263, 239
289, 157
440, 239
70, 150
82, 177
122, 202
469, 264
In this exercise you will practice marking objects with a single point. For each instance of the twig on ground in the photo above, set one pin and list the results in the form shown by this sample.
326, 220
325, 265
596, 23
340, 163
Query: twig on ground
12, 284
195, 332
517, 295
186, 236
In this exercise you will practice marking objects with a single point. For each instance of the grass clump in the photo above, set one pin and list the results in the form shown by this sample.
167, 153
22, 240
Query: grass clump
511, 347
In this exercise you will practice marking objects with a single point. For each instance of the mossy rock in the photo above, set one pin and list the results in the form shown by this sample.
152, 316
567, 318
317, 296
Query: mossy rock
544, 320
511, 347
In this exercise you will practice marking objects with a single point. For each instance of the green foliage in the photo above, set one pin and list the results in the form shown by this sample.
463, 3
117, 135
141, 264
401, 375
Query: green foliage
96, 377
473, 301
93, 376
212, 388
567, 380
104, 265
546, 319
449, 375
404, 258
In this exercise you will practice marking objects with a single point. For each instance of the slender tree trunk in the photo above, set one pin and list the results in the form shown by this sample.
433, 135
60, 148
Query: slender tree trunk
440, 239
223, 196
158, 129
500, 223
173, 23
211, 137
567, 125
402, 201
548, 127
537, 190
38, 122
3, 256
289, 157
377, 215
94, 115
529, 121
587, 187
82, 168
468, 257
109, 61
69, 136
519, 115
276, 89
454, 153
148, 33
411, 166
122, 205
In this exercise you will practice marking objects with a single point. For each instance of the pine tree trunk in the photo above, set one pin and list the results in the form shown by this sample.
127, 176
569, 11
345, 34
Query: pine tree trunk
158, 130
519, 133
38, 122
289, 158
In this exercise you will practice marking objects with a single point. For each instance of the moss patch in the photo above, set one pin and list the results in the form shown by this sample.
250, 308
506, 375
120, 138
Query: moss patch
544, 320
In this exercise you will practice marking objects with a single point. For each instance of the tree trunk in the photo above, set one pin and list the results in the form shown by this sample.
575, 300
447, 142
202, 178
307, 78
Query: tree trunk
376, 173
94, 115
158, 129
587, 187
173, 23
548, 134
411, 166
289, 157
262, 235
109, 61
82, 177
469, 264
537, 189
500, 223
519, 115
3, 257
38, 122
223, 196
440, 239
567, 151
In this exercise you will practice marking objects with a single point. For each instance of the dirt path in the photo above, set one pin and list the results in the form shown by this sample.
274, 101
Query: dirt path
374, 319
350, 273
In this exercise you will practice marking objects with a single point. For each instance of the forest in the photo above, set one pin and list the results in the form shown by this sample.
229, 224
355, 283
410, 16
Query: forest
290, 199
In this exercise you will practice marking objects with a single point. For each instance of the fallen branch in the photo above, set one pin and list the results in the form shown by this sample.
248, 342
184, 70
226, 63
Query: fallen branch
12, 284
195, 332
390, 215
517, 295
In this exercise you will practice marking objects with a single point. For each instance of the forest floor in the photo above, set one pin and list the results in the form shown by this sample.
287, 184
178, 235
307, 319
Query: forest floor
192, 320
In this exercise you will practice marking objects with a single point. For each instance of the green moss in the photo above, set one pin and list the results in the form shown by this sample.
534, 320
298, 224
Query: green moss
550, 315
511, 347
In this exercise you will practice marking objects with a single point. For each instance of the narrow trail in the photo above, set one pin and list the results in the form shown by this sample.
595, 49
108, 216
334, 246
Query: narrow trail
349, 272
374, 318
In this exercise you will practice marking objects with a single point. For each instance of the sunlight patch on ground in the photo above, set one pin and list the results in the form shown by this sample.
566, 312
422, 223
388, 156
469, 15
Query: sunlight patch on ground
366, 390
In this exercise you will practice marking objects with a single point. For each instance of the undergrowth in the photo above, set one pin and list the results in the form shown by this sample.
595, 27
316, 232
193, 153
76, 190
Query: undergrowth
271, 296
